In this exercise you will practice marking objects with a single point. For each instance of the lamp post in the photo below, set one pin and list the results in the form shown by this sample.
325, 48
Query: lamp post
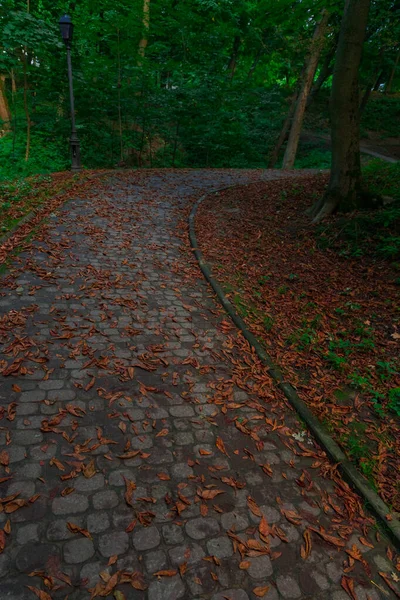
67, 28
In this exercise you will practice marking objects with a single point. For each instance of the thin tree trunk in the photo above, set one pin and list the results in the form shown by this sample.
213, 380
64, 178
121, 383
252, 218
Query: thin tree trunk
283, 134
389, 84
294, 136
379, 81
326, 71
26, 109
175, 145
5, 114
234, 56
345, 180
367, 93
121, 145
255, 62
146, 26
13, 82
14, 110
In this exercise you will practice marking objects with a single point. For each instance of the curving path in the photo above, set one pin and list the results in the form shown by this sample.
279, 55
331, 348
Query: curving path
144, 452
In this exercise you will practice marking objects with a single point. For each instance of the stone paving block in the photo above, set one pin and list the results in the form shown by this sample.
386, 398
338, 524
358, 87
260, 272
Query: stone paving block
220, 547
184, 410
172, 534
181, 471
234, 521
260, 567
4, 565
71, 504
78, 551
28, 533
97, 522
105, 500
190, 553
34, 556
83, 484
166, 588
288, 586
90, 572
201, 528
233, 594
146, 538
155, 560
113, 543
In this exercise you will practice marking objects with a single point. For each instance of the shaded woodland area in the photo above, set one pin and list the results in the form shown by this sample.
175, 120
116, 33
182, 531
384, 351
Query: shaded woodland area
183, 84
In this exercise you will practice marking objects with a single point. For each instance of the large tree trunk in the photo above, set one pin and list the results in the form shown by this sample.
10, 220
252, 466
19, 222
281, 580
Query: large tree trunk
5, 114
294, 136
345, 181
146, 25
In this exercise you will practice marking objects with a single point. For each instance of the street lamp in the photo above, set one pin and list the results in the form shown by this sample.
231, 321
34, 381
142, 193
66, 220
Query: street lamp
67, 28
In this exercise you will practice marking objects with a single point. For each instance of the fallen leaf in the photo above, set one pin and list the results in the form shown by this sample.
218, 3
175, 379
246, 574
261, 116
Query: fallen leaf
39, 593
221, 446
260, 591
76, 529
89, 470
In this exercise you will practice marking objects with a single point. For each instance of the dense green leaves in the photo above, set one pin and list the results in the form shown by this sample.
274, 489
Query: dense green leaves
211, 90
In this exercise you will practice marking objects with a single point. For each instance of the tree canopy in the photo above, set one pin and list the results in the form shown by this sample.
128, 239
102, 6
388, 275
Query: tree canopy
169, 83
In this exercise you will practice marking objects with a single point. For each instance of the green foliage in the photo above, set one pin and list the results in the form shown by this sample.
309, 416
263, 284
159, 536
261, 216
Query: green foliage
383, 178
313, 158
382, 113
394, 400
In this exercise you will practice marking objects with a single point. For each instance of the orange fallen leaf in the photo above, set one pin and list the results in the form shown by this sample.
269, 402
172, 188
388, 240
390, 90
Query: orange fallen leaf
89, 470
260, 591
348, 585
76, 529
221, 446
166, 573
203, 452
162, 433
306, 549
39, 593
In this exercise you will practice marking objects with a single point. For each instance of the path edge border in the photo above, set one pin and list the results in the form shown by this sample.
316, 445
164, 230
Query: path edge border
371, 499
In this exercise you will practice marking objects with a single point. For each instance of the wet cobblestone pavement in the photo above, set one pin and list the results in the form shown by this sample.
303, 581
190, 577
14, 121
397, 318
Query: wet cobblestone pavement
145, 452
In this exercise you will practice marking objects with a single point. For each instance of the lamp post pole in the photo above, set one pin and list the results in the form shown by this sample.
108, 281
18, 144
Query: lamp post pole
66, 27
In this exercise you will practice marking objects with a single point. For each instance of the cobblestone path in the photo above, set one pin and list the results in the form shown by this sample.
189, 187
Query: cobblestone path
144, 451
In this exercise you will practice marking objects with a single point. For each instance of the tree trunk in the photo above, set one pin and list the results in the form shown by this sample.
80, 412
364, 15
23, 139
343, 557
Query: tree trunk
146, 26
283, 134
5, 114
367, 92
121, 144
389, 84
234, 56
26, 108
345, 181
255, 62
326, 71
294, 136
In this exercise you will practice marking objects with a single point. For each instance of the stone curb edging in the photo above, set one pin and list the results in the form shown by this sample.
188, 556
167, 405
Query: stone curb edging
373, 502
